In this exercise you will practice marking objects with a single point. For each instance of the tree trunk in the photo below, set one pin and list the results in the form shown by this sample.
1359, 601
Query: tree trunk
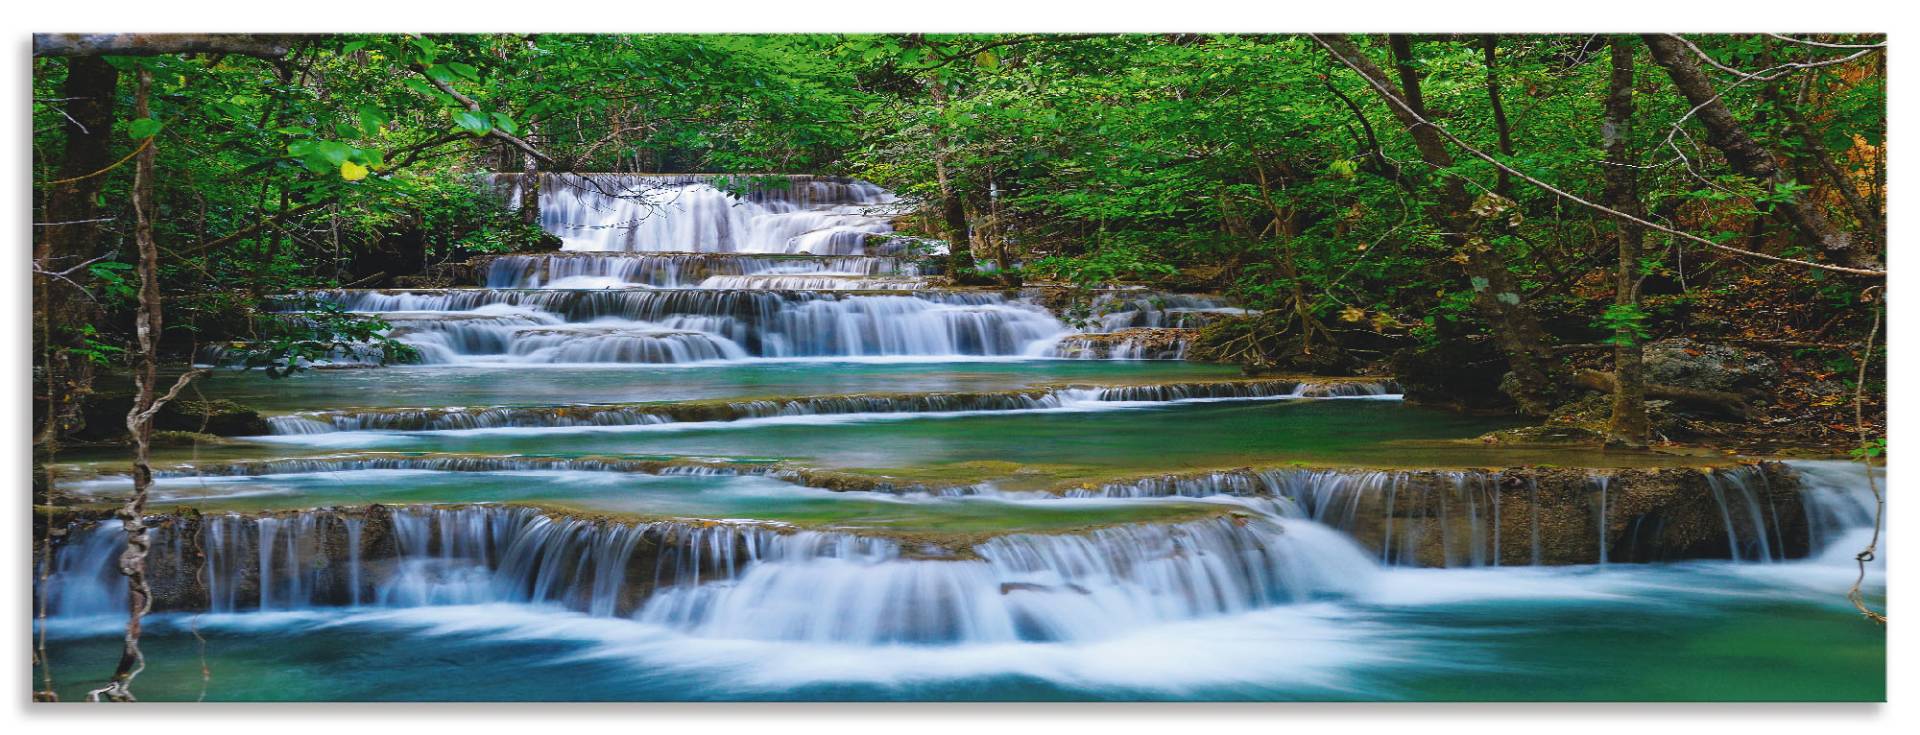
529, 189
1870, 220
1488, 44
1540, 380
1730, 405
1627, 424
68, 236
953, 210
530, 166
1746, 155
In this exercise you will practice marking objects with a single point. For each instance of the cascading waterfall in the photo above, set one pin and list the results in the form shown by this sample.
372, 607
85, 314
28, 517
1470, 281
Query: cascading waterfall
785, 214
1112, 312
726, 580
1455, 518
673, 269
687, 270
1025, 587
694, 325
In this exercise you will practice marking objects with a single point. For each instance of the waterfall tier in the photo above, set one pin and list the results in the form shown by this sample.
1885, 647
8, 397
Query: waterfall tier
1532, 516
709, 213
722, 580
640, 414
687, 270
673, 326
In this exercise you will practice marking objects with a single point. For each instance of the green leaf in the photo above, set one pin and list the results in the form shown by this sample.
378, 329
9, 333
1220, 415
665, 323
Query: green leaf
144, 127
473, 122
464, 71
504, 123
371, 118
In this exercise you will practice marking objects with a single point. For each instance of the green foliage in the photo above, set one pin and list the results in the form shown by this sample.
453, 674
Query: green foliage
1875, 448
1102, 267
321, 330
1626, 324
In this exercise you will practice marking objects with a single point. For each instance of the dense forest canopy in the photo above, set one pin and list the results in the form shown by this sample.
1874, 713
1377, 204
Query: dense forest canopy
1725, 187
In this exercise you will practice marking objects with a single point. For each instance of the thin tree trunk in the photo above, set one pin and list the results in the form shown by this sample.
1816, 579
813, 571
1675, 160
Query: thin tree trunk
1746, 155
530, 166
1842, 182
953, 210
1627, 424
1541, 381
1488, 44
529, 188
133, 561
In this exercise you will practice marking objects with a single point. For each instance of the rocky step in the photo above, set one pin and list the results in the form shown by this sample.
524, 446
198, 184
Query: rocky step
403, 556
637, 414
663, 269
1142, 343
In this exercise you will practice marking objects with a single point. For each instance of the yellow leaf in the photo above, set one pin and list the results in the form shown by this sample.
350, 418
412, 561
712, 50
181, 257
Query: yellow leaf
352, 171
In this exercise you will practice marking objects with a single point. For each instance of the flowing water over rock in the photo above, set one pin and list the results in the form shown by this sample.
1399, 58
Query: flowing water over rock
762, 458
678, 269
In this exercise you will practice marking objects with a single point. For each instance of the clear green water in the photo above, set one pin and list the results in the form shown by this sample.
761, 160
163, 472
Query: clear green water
1039, 447
536, 385
639, 496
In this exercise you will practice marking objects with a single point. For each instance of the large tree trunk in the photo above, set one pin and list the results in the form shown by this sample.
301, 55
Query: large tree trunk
68, 236
1627, 425
1747, 156
1540, 379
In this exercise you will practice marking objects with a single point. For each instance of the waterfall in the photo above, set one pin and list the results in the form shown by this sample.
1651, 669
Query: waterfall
1112, 312
727, 580
679, 269
1454, 518
84, 577
1838, 504
787, 214
686, 270
1024, 587
696, 325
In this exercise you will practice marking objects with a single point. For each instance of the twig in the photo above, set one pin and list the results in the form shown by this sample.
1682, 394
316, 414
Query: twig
144, 142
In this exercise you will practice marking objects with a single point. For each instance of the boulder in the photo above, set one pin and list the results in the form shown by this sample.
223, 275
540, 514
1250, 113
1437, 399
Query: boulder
1685, 363
219, 417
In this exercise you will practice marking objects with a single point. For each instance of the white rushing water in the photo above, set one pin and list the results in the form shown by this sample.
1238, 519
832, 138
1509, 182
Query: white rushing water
680, 269
663, 213
763, 581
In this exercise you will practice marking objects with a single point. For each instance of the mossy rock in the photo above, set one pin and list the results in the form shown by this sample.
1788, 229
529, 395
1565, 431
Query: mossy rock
186, 439
219, 417
1551, 435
